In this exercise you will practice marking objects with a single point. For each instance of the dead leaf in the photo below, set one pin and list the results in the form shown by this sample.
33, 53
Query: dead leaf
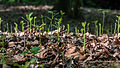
19, 57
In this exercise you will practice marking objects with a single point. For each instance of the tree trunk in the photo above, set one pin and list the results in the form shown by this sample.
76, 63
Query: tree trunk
67, 7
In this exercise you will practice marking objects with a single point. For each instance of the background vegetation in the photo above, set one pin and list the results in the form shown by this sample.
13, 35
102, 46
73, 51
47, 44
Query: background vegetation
71, 7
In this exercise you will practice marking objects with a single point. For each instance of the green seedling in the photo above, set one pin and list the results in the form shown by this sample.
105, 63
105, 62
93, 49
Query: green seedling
76, 30
22, 22
26, 51
61, 12
82, 30
118, 22
51, 19
29, 20
63, 27
115, 28
96, 27
34, 23
23, 66
103, 18
40, 28
16, 27
1, 23
68, 28
35, 50
3, 60
42, 66
63, 59
84, 24
42, 20
99, 28
88, 27
3, 29
11, 28
4, 42
59, 22
40, 37
7, 27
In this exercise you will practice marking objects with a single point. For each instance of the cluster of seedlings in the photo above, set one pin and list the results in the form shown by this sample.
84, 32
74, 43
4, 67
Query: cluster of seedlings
54, 45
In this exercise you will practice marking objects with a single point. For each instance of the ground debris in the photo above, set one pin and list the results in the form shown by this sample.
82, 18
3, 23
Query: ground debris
68, 51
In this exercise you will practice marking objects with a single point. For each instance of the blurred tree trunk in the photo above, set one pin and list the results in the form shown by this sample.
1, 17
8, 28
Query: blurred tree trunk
62, 5
70, 7
76, 8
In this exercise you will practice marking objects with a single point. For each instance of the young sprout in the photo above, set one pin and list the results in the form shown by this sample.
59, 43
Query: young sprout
42, 18
76, 30
11, 28
68, 28
1, 23
115, 28
82, 30
99, 28
63, 59
63, 27
61, 12
7, 27
2, 60
51, 19
42, 66
96, 27
88, 27
84, 24
118, 22
22, 25
34, 24
41, 27
103, 18
59, 22
29, 20
16, 27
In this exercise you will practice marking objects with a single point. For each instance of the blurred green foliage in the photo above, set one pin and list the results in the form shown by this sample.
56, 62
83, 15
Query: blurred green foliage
36, 2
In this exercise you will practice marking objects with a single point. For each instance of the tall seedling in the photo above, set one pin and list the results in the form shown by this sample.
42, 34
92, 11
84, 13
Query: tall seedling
84, 24
16, 27
59, 22
0, 24
103, 18
115, 28
118, 22
29, 20
22, 25
96, 27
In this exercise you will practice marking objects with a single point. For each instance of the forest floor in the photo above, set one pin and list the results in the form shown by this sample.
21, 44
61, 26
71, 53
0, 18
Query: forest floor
58, 48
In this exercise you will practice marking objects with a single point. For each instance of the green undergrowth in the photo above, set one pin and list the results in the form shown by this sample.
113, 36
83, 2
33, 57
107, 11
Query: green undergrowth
53, 22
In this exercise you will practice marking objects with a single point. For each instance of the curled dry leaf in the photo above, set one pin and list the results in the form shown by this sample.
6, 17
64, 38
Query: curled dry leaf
11, 44
83, 57
41, 55
19, 57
